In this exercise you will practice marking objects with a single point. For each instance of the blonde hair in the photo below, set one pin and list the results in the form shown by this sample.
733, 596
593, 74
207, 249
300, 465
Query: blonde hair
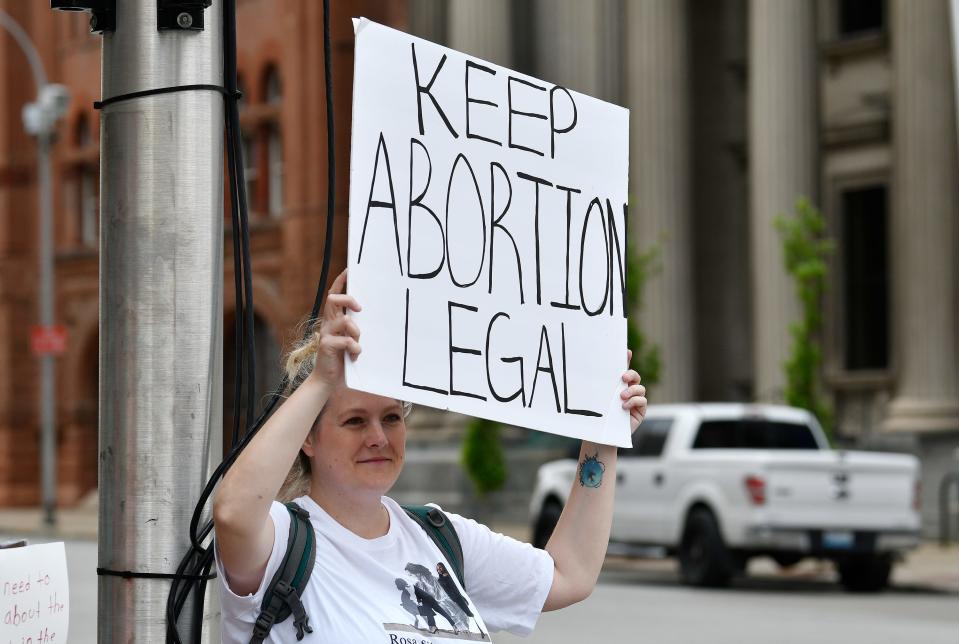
298, 364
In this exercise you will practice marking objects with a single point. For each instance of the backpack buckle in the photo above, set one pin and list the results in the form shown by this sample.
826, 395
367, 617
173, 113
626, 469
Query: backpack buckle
283, 589
436, 518
263, 624
302, 625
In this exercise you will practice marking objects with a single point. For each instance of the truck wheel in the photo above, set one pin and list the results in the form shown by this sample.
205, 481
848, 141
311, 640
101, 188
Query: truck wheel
703, 557
546, 522
787, 559
865, 573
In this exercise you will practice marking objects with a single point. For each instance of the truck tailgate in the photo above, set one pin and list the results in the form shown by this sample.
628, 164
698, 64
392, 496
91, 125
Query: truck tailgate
850, 490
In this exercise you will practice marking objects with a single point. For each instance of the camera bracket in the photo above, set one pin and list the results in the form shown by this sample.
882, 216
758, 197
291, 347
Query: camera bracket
181, 14
103, 13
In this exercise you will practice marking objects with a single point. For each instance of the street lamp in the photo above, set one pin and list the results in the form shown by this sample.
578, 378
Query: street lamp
40, 121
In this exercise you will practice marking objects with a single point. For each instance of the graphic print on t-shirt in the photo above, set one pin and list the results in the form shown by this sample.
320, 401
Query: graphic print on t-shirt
436, 605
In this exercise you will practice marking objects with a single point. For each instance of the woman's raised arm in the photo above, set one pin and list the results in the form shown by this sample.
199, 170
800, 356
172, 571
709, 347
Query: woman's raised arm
241, 506
578, 544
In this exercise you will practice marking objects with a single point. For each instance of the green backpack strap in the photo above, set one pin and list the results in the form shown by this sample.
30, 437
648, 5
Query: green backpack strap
440, 529
282, 596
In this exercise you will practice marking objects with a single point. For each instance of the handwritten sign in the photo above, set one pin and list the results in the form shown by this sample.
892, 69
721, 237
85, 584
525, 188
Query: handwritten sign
487, 239
34, 595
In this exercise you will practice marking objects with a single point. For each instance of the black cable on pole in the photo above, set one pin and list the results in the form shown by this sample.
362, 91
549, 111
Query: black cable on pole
195, 568
99, 105
243, 278
330, 165
249, 335
238, 290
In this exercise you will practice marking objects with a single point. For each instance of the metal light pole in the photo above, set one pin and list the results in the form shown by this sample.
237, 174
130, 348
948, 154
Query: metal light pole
954, 29
161, 308
40, 120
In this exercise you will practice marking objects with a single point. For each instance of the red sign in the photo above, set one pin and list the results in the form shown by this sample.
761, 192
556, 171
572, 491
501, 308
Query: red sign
48, 340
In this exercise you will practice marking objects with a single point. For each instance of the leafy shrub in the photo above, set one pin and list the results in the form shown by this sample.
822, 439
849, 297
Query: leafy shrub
483, 456
805, 249
639, 268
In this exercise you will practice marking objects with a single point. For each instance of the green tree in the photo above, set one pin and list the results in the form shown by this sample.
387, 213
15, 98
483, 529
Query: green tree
639, 268
805, 249
483, 456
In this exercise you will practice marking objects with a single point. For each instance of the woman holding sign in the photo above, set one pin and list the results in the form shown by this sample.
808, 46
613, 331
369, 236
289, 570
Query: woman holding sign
346, 450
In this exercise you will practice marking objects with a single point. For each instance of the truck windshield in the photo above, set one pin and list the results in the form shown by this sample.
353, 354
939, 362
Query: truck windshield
753, 433
649, 439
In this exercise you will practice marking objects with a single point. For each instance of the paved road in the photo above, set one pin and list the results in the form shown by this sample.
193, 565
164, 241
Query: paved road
648, 605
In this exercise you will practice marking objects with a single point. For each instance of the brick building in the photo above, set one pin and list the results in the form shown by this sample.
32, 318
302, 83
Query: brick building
280, 65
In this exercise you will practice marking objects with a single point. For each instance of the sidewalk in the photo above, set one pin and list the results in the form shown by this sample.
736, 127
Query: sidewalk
78, 522
930, 566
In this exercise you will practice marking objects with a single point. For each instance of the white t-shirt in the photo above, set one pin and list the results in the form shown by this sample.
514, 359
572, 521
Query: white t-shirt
387, 590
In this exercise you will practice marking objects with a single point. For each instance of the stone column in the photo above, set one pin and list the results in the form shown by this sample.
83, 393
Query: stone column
724, 362
924, 217
783, 162
579, 45
481, 29
657, 93
428, 19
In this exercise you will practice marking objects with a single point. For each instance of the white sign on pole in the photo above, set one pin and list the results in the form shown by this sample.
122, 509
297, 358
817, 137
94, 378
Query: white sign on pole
34, 594
487, 239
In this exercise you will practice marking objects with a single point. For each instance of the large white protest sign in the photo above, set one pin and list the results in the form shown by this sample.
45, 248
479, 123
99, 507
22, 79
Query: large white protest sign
34, 595
487, 239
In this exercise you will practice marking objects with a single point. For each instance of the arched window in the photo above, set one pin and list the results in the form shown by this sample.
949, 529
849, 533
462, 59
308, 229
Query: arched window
86, 184
275, 170
248, 143
272, 89
263, 146
273, 139
82, 136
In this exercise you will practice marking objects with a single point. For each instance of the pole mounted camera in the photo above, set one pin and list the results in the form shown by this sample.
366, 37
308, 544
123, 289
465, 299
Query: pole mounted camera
103, 13
181, 15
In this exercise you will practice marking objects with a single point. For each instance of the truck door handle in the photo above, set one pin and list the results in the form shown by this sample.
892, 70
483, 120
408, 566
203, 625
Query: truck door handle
658, 478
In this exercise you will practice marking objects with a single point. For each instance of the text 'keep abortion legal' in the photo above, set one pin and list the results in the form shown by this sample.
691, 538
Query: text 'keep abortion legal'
487, 239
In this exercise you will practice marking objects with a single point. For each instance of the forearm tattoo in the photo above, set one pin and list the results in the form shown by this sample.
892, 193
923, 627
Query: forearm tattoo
591, 471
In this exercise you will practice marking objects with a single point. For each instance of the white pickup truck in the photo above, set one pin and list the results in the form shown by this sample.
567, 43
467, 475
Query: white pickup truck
716, 484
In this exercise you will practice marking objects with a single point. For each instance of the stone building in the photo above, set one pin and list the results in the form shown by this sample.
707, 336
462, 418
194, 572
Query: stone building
738, 108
